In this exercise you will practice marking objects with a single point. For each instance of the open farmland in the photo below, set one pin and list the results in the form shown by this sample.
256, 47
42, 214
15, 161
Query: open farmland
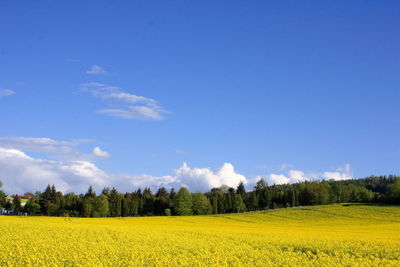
354, 235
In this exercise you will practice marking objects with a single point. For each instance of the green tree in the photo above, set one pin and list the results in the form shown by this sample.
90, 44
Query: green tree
291, 198
17, 203
167, 212
183, 203
51, 201
102, 206
148, 202
32, 207
239, 205
90, 192
2, 199
72, 204
161, 202
87, 207
394, 191
263, 194
2, 196
241, 189
51, 208
115, 203
200, 204
216, 197
172, 198
252, 201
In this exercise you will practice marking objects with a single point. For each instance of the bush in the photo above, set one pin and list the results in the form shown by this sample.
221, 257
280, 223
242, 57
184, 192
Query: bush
167, 212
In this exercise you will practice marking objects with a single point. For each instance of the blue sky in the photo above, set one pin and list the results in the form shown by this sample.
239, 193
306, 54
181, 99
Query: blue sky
274, 88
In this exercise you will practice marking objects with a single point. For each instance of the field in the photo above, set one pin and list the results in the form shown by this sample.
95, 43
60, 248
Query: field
353, 235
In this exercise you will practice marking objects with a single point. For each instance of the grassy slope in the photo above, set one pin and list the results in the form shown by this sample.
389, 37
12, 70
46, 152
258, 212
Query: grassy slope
323, 235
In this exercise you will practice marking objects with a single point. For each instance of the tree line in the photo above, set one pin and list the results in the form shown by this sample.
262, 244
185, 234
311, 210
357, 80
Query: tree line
224, 199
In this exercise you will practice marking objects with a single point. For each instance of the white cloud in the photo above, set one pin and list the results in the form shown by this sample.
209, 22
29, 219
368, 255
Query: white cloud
6, 92
21, 173
129, 98
344, 173
96, 70
275, 179
100, 153
66, 150
124, 105
205, 178
295, 176
196, 179
41, 144
133, 113
284, 166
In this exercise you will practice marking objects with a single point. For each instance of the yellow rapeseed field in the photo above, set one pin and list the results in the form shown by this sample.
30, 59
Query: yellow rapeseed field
354, 235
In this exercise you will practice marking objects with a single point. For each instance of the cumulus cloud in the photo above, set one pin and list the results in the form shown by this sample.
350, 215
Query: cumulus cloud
100, 153
295, 176
96, 70
344, 173
6, 92
21, 173
128, 106
204, 179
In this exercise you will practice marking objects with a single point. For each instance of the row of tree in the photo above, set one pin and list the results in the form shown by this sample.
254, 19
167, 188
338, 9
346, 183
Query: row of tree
219, 200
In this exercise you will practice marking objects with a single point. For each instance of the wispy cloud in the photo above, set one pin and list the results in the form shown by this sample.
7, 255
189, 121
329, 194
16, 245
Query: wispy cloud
40, 144
96, 70
262, 167
179, 151
74, 60
124, 105
284, 166
6, 92
66, 150
98, 152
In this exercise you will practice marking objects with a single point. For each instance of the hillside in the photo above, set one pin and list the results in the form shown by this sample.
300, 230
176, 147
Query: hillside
308, 236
